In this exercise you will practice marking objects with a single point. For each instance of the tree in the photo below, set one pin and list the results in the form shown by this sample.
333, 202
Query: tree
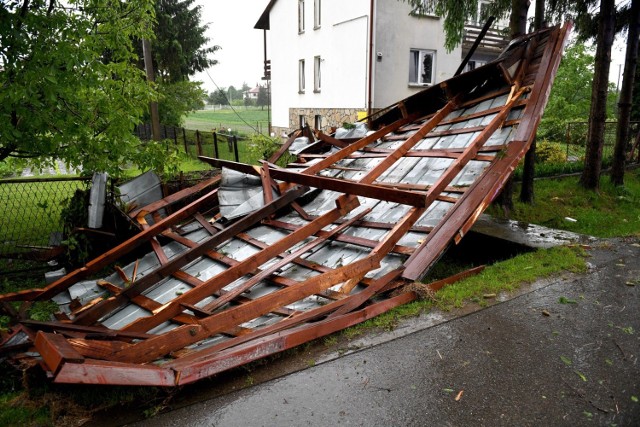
626, 95
590, 177
218, 97
570, 98
263, 97
179, 51
71, 89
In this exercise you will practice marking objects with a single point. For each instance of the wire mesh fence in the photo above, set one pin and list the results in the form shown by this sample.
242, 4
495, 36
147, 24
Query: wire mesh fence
30, 217
576, 140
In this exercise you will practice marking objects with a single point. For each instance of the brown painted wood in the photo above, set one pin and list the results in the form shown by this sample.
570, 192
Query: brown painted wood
91, 316
55, 350
325, 183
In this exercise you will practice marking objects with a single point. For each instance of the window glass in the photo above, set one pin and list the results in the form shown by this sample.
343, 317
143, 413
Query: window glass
316, 74
301, 76
301, 16
421, 66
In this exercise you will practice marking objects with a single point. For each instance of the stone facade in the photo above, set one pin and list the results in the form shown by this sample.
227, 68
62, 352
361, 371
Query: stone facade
329, 117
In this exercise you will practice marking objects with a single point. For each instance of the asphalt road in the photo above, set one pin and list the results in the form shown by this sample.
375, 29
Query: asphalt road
560, 353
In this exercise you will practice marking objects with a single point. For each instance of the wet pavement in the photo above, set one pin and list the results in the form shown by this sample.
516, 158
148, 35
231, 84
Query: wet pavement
559, 352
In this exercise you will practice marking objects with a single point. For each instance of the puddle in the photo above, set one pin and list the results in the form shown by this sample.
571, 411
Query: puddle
529, 235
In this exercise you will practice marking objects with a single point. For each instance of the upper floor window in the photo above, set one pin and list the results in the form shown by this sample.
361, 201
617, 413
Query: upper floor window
317, 18
300, 16
473, 64
421, 66
316, 74
426, 8
482, 13
301, 76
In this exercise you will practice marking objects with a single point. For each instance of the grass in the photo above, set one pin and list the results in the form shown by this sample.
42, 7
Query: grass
31, 210
610, 212
246, 120
504, 276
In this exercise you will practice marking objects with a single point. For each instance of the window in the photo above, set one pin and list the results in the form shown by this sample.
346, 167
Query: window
303, 121
482, 13
316, 74
300, 16
317, 21
472, 65
317, 122
301, 76
421, 66
427, 8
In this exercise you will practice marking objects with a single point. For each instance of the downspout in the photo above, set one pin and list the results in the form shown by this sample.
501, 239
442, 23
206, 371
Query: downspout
370, 83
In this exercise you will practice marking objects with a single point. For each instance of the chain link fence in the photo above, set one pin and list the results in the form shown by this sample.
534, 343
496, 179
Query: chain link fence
576, 139
30, 216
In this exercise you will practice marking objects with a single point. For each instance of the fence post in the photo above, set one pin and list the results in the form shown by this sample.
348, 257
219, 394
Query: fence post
198, 143
235, 148
175, 136
215, 145
184, 138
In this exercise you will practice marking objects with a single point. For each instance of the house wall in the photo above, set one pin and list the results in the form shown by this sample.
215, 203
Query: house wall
341, 42
396, 33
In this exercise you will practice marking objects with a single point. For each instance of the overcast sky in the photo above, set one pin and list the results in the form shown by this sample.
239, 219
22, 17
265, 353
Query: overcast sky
240, 57
231, 27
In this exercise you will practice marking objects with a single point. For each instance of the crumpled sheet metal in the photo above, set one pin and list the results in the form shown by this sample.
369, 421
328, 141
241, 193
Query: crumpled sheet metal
238, 274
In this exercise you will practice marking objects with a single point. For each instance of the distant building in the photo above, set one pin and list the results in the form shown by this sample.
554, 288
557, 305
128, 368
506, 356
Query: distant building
336, 61
252, 93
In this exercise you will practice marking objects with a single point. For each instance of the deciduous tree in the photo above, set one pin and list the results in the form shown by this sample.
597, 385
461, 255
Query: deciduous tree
71, 89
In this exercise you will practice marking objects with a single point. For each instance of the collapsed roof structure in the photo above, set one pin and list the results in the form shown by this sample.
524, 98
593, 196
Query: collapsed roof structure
277, 256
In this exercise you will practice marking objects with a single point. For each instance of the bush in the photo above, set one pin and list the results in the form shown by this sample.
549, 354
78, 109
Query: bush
550, 152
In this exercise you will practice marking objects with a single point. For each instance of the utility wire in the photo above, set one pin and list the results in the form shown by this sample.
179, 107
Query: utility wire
227, 99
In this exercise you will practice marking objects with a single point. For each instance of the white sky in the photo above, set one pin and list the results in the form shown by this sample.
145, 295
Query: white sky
241, 55
240, 59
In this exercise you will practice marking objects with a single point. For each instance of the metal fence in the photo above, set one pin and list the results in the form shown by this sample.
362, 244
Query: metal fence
576, 139
30, 217
196, 143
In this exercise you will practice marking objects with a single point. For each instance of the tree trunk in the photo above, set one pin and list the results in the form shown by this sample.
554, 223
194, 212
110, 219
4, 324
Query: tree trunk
626, 94
529, 170
590, 177
517, 27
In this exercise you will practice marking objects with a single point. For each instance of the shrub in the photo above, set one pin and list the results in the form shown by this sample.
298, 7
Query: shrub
550, 152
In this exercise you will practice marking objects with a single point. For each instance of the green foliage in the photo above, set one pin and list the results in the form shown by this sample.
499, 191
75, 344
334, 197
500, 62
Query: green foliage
262, 146
179, 47
219, 97
550, 152
80, 100
456, 14
570, 98
610, 212
179, 99
75, 213
263, 97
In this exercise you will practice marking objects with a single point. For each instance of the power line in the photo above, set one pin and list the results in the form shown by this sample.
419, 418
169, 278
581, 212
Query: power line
227, 99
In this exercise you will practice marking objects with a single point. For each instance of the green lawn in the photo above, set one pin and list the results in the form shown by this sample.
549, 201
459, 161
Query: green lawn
609, 212
245, 120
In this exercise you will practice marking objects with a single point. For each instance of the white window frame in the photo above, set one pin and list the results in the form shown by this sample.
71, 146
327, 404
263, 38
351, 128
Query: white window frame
317, 68
478, 17
416, 59
473, 64
317, 14
301, 76
300, 16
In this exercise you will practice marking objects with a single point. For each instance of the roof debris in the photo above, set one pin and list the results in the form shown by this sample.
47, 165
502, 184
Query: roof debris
275, 257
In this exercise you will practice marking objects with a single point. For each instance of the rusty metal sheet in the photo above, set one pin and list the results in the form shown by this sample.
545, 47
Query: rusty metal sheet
275, 256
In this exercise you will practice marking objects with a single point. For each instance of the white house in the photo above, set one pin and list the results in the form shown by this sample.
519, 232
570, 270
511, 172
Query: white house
252, 93
336, 61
